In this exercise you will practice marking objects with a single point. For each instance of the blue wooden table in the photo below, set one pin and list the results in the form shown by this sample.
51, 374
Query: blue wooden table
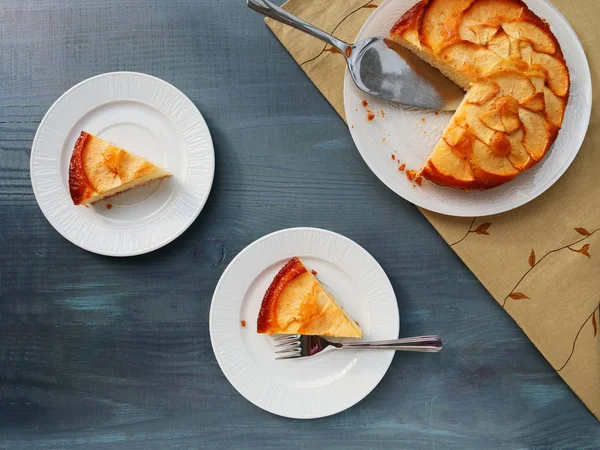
102, 353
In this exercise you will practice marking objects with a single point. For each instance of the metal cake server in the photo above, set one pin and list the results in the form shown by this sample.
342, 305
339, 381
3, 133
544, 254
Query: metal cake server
380, 67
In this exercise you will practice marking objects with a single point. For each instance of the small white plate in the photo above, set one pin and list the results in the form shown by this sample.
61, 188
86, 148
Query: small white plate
152, 119
310, 387
411, 133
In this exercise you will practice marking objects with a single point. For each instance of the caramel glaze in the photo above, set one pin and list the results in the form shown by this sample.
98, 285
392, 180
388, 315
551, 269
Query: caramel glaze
79, 186
266, 316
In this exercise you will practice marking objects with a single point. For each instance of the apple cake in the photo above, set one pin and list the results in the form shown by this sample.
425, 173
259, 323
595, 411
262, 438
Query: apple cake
297, 303
517, 84
99, 169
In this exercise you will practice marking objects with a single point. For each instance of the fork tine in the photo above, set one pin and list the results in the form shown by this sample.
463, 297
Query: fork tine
289, 344
289, 350
287, 337
295, 355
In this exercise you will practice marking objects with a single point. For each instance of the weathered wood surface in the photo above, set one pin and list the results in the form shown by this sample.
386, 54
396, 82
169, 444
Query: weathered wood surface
108, 353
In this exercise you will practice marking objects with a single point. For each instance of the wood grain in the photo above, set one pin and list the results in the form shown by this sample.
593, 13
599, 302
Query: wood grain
102, 353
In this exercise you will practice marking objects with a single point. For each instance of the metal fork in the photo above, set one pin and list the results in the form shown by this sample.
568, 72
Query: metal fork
300, 346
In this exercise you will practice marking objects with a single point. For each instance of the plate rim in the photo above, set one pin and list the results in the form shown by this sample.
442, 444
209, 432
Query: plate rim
388, 354
172, 237
586, 85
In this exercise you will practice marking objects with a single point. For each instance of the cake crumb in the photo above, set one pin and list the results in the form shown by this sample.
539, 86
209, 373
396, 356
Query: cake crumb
370, 115
352, 126
437, 113
365, 103
382, 113
393, 157
383, 140
243, 323
357, 109
413, 175
314, 272
422, 119
108, 206
402, 167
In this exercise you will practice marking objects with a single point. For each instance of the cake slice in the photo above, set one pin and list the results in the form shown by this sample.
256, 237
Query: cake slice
99, 169
297, 303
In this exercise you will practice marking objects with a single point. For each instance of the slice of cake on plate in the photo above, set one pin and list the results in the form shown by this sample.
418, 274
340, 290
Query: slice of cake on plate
99, 169
297, 303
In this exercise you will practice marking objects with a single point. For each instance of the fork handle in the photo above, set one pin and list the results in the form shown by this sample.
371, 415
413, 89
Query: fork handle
432, 344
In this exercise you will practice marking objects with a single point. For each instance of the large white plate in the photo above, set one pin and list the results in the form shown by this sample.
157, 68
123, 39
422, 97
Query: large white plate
403, 131
152, 119
311, 387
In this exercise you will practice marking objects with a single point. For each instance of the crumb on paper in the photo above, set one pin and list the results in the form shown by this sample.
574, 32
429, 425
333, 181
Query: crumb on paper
370, 115
383, 140
357, 109
365, 103
383, 113
352, 126
423, 119
314, 272
419, 181
243, 323
402, 167
437, 113
108, 206
393, 157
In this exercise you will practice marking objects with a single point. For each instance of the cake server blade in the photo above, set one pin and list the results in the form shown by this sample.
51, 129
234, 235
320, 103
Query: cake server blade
380, 67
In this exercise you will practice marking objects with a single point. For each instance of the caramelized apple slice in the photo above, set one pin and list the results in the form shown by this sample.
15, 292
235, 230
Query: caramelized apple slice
555, 107
470, 58
509, 113
535, 102
435, 33
514, 84
536, 136
518, 156
500, 145
492, 12
472, 115
558, 75
515, 48
500, 45
482, 91
527, 31
478, 34
445, 167
491, 169
493, 120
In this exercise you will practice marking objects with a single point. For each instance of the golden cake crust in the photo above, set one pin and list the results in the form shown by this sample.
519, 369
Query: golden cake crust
517, 83
267, 315
79, 186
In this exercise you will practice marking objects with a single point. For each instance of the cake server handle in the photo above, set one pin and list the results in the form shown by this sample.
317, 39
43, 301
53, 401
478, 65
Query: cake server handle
268, 9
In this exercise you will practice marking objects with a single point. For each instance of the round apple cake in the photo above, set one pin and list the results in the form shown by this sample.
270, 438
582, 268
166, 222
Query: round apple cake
516, 79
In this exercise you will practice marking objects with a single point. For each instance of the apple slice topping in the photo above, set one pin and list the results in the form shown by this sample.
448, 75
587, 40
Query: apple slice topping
527, 31
536, 136
535, 102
